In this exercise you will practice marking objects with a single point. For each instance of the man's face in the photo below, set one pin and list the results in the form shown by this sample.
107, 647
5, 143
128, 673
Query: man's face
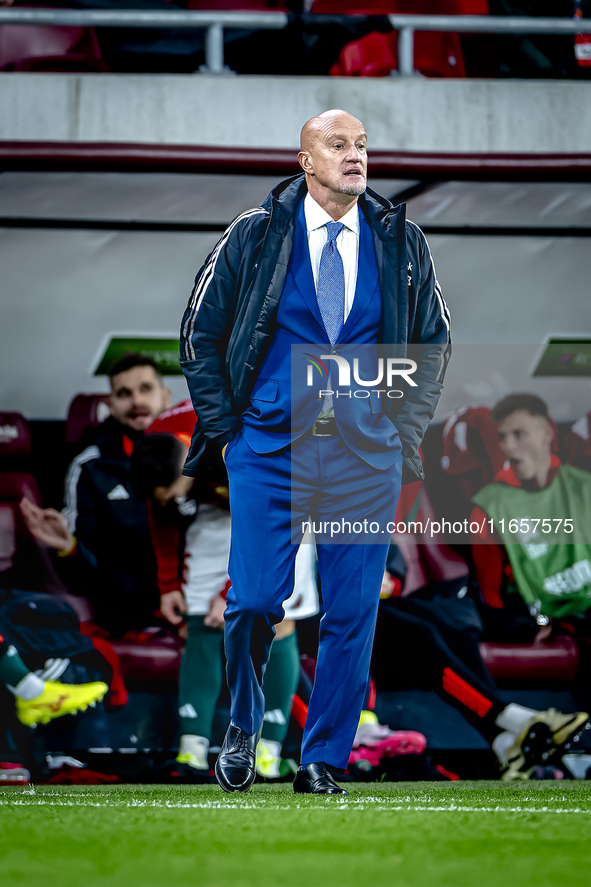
525, 440
337, 155
138, 397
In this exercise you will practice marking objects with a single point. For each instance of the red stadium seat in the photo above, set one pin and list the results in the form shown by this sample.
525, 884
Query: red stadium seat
85, 411
437, 54
371, 56
13, 486
353, 7
156, 660
15, 440
49, 48
552, 660
15, 437
414, 7
15, 443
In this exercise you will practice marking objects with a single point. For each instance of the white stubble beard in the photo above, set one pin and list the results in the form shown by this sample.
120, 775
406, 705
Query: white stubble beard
353, 189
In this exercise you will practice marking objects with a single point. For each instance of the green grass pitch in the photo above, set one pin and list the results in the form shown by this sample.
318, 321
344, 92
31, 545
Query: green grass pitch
472, 834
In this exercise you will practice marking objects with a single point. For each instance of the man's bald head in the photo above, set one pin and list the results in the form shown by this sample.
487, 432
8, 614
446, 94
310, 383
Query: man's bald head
334, 157
323, 124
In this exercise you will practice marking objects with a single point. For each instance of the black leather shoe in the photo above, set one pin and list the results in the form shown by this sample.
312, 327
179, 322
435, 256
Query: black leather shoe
235, 766
316, 780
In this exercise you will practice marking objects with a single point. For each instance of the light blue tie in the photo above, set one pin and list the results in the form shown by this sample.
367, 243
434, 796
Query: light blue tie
330, 292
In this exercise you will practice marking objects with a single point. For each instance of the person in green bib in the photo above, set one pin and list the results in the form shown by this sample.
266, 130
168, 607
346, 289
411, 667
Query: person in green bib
534, 535
540, 511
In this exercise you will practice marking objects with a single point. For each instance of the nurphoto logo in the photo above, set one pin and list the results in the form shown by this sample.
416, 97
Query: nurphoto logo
394, 367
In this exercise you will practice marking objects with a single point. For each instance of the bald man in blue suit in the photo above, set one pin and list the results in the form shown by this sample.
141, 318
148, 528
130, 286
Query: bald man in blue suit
324, 274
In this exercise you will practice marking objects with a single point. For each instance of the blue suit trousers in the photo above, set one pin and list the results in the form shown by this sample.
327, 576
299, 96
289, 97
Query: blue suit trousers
271, 498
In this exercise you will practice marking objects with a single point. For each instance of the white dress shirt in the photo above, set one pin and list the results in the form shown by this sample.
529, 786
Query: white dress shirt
347, 244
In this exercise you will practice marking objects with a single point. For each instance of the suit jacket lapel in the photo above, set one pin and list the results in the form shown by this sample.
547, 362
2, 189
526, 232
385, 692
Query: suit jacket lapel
367, 278
301, 268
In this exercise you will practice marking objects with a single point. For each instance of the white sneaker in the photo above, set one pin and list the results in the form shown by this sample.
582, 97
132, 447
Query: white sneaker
193, 751
546, 733
268, 758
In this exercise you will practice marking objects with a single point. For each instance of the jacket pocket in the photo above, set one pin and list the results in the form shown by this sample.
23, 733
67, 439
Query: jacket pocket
230, 446
265, 390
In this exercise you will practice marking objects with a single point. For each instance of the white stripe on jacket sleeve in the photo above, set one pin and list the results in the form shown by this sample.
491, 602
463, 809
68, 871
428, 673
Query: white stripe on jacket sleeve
70, 511
205, 278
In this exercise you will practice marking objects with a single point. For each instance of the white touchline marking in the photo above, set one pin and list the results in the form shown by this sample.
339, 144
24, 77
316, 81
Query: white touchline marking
261, 805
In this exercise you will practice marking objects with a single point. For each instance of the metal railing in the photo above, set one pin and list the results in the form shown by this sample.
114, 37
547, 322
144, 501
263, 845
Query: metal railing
212, 22
406, 25
215, 21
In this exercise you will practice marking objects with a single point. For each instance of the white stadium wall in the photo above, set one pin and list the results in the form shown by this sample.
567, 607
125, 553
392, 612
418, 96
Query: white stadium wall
64, 291
406, 115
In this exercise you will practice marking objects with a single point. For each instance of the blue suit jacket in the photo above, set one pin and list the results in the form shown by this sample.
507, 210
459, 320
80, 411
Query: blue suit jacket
283, 405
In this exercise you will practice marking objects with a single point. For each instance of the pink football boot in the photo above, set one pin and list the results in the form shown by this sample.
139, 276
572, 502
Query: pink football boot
374, 741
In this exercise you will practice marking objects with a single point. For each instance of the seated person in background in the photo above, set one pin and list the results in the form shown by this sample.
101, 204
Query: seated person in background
527, 546
191, 532
113, 561
427, 637
39, 701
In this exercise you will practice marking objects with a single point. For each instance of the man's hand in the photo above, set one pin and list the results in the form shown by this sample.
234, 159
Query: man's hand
388, 585
47, 525
170, 603
215, 616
